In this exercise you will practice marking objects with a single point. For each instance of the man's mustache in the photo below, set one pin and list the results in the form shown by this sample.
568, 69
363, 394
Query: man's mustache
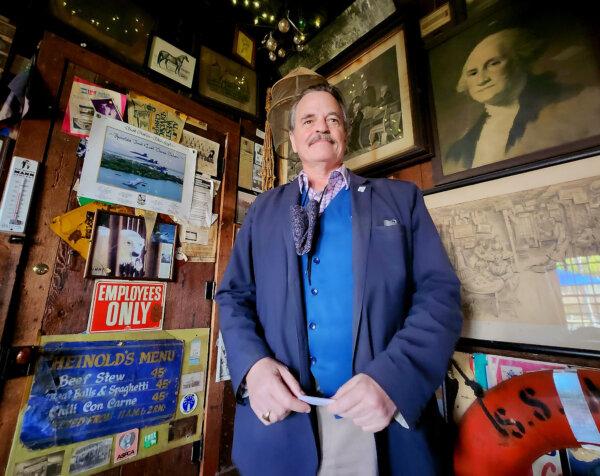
321, 136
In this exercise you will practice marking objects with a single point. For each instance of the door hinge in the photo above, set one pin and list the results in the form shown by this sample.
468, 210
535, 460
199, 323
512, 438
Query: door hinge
17, 361
209, 290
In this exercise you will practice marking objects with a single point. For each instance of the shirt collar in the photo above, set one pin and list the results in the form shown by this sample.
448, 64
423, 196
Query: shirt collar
303, 178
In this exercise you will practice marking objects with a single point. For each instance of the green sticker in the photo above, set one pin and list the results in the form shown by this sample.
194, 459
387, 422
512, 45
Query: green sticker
150, 439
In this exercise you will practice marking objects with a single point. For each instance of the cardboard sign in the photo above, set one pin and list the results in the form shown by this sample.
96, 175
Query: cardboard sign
127, 306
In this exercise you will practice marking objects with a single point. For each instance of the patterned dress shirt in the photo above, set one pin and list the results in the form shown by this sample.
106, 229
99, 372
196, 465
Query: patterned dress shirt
338, 179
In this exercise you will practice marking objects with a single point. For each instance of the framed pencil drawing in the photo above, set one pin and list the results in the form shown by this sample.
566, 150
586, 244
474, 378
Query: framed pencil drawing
527, 251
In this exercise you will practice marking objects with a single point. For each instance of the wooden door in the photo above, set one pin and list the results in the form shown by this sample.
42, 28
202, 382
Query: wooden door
58, 302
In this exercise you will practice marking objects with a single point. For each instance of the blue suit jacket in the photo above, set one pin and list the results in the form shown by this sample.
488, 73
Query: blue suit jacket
406, 320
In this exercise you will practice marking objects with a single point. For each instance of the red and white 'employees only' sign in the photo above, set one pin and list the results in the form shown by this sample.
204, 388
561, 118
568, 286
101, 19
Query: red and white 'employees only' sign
127, 306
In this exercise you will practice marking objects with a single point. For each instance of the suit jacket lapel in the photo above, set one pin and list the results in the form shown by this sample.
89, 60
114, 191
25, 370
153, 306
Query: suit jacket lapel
360, 191
290, 197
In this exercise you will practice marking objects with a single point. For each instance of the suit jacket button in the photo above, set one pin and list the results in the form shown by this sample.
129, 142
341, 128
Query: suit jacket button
314, 291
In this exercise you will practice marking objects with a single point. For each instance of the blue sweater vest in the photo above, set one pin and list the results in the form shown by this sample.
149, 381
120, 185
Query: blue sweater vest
328, 297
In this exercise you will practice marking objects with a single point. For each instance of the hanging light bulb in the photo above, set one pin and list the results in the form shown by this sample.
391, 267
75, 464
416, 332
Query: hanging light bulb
283, 25
272, 56
297, 39
300, 47
271, 44
281, 53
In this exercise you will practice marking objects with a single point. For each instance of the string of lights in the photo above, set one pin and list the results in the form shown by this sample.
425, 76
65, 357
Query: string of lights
285, 35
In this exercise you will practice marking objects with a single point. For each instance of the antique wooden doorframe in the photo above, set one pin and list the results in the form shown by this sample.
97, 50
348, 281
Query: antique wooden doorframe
23, 294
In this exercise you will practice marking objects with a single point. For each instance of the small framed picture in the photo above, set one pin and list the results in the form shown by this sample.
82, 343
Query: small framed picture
244, 47
122, 247
171, 62
227, 81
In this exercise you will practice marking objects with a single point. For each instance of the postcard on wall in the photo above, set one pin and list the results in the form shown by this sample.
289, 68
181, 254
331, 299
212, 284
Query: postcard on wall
203, 253
246, 163
80, 110
257, 167
48, 465
201, 211
172, 62
500, 368
107, 107
129, 166
208, 150
244, 201
155, 117
90, 456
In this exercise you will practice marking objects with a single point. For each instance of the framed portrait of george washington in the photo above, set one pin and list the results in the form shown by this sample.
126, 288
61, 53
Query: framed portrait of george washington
517, 86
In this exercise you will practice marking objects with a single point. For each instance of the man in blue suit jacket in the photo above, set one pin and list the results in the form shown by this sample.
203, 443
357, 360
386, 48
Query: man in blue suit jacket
368, 314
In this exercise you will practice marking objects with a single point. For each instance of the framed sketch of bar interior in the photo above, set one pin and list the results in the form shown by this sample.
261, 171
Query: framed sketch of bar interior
377, 91
527, 251
129, 166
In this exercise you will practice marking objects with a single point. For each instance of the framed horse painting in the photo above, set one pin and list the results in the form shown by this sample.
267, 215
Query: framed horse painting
171, 62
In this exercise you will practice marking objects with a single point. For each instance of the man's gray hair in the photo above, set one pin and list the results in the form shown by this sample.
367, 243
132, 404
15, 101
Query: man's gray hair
519, 44
324, 87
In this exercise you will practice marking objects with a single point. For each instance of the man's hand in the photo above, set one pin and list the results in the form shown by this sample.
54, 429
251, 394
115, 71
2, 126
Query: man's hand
365, 402
273, 390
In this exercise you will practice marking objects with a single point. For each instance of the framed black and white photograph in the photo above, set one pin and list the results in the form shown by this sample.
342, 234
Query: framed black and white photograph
129, 166
172, 62
519, 85
227, 81
376, 89
122, 247
526, 249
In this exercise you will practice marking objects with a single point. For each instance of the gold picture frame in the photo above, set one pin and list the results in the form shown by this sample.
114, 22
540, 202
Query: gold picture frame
376, 87
244, 47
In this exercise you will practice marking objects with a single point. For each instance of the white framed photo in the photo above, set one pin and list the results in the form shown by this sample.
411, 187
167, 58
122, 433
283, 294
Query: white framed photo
172, 62
129, 166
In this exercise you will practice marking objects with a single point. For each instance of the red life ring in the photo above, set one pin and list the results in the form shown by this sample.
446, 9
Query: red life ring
519, 420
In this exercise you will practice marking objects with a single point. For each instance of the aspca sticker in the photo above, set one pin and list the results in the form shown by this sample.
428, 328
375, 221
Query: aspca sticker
188, 403
126, 445
127, 306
